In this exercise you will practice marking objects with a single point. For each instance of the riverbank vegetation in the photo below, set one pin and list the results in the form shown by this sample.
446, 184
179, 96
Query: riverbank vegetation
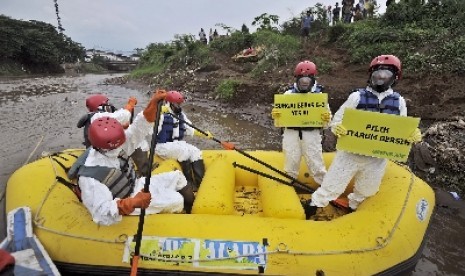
428, 38
34, 47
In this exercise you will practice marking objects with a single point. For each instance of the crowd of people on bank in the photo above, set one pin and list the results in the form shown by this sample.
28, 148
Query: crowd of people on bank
212, 35
350, 11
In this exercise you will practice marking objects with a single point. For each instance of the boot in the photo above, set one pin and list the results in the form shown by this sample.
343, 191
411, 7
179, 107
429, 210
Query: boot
309, 209
187, 170
198, 168
188, 195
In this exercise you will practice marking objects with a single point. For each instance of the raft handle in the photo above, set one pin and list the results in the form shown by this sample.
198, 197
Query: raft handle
282, 247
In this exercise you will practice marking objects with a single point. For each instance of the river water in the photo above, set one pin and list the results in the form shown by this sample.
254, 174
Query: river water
40, 115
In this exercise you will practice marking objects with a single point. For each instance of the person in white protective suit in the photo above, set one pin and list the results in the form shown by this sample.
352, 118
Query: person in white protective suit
108, 184
99, 106
304, 141
171, 132
378, 96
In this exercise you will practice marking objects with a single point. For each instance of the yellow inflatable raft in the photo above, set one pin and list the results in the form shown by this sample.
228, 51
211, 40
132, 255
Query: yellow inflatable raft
242, 223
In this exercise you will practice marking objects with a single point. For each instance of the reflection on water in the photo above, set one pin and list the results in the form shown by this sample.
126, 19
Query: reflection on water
40, 114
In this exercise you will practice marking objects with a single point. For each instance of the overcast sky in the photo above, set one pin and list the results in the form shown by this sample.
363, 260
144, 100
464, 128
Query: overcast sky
122, 25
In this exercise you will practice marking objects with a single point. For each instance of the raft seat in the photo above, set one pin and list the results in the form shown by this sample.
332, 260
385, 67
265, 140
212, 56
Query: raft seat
216, 193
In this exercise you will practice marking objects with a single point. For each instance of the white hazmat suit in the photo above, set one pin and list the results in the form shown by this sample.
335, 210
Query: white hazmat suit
367, 171
163, 187
306, 143
178, 149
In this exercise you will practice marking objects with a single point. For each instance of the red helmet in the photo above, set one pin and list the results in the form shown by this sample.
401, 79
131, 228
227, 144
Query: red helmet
387, 60
174, 97
94, 101
305, 68
106, 133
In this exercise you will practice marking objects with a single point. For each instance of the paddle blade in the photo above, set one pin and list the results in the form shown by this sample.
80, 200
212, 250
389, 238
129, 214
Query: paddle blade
228, 145
341, 202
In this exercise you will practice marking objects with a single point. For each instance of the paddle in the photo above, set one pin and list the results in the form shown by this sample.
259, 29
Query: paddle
140, 227
230, 146
339, 202
292, 184
132, 116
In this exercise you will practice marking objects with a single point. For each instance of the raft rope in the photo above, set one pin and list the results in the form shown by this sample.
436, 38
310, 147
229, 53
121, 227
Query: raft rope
34, 150
281, 248
38, 220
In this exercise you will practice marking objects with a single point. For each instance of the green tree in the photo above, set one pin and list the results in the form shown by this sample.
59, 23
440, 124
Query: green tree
36, 45
266, 21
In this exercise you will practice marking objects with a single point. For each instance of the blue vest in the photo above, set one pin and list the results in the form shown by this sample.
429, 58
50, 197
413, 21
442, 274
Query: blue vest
166, 133
369, 102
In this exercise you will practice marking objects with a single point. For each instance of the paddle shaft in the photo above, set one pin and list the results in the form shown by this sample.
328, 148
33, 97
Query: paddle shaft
303, 187
269, 167
140, 227
132, 116
242, 152
339, 202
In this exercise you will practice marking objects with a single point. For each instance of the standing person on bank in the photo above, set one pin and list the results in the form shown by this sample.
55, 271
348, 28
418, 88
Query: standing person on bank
203, 36
305, 26
336, 14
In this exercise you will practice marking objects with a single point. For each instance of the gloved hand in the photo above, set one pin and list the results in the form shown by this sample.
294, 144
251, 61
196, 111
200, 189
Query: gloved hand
127, 205
415, 137
326, 117
165, 109
339, 130
125, 125
131, 104
275, 113
150, 112
200, 134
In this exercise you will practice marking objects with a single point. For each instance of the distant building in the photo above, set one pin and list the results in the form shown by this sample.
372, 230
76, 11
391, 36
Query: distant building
111, 56
134, 57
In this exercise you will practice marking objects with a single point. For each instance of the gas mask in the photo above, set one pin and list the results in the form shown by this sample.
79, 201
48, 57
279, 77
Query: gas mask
305, 84
106, 108
381, 80
176, 108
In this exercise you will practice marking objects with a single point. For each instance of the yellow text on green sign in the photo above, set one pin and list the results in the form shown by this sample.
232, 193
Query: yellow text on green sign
377, 134
300, 109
